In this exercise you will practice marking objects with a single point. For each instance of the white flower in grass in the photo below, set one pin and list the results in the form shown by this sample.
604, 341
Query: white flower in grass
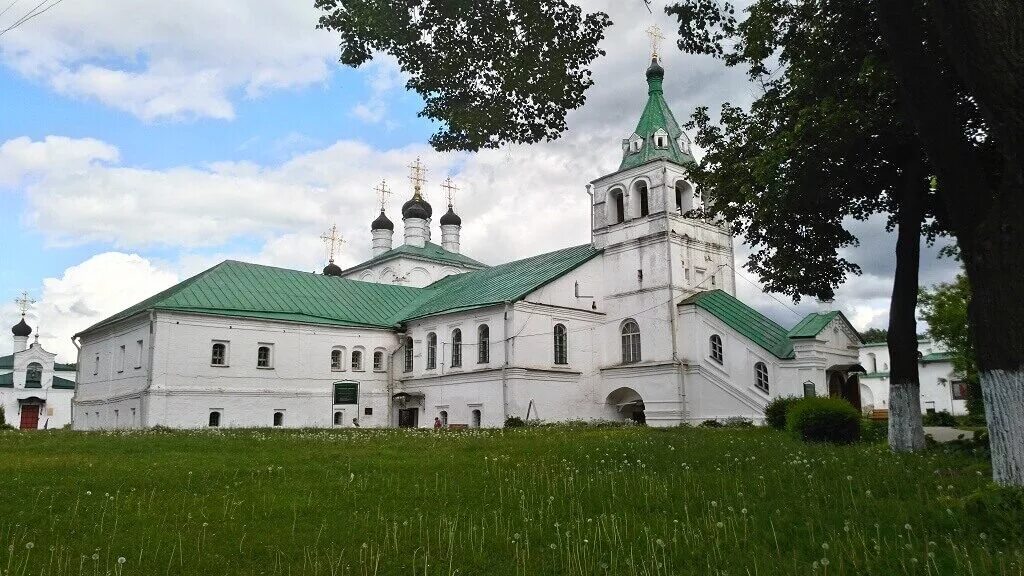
29, 545
95, 556
121, 560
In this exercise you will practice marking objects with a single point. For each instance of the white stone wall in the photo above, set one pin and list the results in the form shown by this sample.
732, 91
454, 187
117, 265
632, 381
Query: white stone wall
936, 379
56, 409
184, 387
406, 272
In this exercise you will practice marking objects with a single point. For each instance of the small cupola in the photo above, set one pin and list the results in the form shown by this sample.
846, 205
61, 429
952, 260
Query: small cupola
382, 223
450, 218
332, 269
22, 329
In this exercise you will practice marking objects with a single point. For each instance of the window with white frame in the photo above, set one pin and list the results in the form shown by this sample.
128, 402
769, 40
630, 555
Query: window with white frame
278, 418
561, 336
138, 353
378, 361
456, 348
761, 377
265, 356
219, 354
431, 351
121, 354
96, 366
630, 342
214, 420
717, 352
408, 353
357, 360
483, 336
337, 360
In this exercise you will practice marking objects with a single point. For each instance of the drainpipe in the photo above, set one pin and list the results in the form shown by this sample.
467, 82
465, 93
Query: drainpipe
149, 369
391, 377
672, 289
504, 367
590, 192
78, 376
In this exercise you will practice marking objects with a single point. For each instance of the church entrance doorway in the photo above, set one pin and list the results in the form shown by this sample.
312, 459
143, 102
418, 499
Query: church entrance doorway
626, 404
408, 417
844, 383
29, 417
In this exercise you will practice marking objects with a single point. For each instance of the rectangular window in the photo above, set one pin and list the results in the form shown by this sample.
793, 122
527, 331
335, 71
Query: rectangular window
96, 367
959, 390
368, 411
265, 356
138, 354
809, 390
346, 392
219, 354
120, 359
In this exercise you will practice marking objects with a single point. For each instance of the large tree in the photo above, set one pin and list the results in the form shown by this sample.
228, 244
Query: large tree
489, 72
824, 143
960, 70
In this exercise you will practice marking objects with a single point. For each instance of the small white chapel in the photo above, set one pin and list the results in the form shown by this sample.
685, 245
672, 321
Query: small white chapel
642, 324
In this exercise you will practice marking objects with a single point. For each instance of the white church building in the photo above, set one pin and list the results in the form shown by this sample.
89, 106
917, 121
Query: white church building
641, 323
35, 390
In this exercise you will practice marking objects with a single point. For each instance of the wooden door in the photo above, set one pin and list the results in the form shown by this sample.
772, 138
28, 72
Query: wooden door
30, 417
408, 417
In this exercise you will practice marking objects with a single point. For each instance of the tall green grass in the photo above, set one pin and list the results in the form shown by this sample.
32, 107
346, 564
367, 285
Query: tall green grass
630, 501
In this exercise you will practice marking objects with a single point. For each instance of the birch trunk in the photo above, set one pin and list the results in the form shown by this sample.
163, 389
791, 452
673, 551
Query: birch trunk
1004, 408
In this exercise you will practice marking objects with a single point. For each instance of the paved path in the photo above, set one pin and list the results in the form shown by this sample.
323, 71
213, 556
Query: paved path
945, 434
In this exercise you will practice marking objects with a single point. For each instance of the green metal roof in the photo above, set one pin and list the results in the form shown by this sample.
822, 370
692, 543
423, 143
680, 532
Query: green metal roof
812, 324
7, 363
875, 375
234, 288
430, 251
63, 384
749, 322
936, 357
656, 115
7, 380
506, 282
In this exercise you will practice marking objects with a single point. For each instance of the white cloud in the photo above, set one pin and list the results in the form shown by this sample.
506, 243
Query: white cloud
161, 60
85, 294
22, 157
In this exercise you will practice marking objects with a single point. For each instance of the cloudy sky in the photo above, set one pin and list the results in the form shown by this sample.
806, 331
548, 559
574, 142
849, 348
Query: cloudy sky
142, 142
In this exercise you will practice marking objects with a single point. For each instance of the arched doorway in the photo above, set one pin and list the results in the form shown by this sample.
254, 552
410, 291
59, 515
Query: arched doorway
844, 383
626, 404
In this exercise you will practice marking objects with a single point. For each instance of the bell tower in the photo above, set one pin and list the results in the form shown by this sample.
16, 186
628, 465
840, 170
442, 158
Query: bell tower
642, 211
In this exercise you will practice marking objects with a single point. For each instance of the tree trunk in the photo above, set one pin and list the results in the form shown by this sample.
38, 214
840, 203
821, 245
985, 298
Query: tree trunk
996, 314
906, 433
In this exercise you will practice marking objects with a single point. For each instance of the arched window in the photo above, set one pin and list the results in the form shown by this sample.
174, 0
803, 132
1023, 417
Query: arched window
616, 207
337, 362
630, 342
474, 422
641, 191
357, 360
872, 362
278, 418
34, 375
456, 348
219, 354
214, 419
561, 344
483, 336
444, 418
378, 361
263, 357
761, 377
716, 348
684, 197
338, 418
408, 354
431, 351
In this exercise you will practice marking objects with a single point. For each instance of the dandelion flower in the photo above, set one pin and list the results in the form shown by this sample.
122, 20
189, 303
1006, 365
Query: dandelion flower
121, 560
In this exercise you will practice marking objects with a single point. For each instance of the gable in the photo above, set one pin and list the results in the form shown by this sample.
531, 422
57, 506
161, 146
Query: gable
748, 322
429, 252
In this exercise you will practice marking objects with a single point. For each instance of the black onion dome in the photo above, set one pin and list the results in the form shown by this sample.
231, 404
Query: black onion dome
22, 329
450, 218
417, 207
382, 223
332, 269
655, 71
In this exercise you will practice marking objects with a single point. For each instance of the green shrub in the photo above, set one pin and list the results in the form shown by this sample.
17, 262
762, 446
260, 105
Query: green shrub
514, 422
738, 422
775, 411
998, 509
3, 421
711, 424
943, 418
874, 431
824, 420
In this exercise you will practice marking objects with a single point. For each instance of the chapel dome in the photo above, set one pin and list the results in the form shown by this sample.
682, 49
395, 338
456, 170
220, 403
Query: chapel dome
417, 207
382, 223
450, 218
655, 71
22, 329
332, 269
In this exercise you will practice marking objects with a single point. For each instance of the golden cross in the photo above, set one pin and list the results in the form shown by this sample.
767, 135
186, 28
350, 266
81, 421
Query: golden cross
656, 37
450, 189
332, 240
417, 175
382, 192
24, 302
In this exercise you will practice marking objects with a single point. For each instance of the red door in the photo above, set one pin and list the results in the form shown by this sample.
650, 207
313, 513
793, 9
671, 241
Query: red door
30, 417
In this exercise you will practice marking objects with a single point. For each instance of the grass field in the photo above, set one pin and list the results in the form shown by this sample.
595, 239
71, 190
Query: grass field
525, 501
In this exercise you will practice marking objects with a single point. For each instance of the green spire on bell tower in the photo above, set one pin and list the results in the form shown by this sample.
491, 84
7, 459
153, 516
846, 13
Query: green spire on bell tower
657, 135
